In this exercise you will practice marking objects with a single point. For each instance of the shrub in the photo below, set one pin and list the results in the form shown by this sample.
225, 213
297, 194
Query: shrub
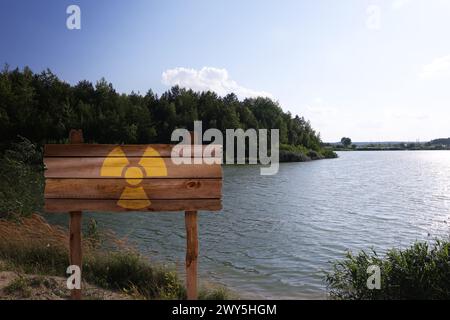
419, 272
314, 155
214, 294
290, 153
288, 156
20, 286
22, 183
127, 271
329, 153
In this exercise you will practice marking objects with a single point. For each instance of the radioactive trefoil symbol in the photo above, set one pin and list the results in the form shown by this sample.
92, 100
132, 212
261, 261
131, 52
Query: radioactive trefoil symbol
116, 164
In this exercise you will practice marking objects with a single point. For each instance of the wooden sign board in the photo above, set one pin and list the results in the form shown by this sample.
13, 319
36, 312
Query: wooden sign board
127, 178
113, 178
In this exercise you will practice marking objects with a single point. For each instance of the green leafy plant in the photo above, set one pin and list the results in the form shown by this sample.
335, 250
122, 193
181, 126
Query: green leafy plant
19, 286
419, 272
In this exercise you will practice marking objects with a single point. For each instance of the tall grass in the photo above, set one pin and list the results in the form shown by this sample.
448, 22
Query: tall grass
31, 245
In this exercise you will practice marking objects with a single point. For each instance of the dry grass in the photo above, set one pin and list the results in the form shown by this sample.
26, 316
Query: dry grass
32, 230
32, 246
34, 239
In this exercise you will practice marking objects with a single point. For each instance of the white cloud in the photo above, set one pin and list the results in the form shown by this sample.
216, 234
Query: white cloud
405, 114
321, 110
320, 107
398, 4
438, 68
373, 21
208, 78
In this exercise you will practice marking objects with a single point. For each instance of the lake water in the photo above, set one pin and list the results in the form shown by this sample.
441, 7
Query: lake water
277, 234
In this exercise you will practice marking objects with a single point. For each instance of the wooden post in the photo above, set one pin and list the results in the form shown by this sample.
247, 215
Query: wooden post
75, 251
75, 247
191, 254
191, 242
71, 187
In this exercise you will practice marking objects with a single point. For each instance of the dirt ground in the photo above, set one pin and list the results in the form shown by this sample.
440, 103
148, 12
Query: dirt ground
14, 286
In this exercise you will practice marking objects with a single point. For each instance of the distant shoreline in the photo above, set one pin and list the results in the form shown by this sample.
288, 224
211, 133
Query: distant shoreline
389, 149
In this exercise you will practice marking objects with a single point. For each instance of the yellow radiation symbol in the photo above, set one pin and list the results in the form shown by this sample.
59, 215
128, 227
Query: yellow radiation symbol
116, 164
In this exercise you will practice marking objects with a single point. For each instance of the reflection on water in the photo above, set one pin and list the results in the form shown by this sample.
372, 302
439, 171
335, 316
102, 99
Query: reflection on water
276, 234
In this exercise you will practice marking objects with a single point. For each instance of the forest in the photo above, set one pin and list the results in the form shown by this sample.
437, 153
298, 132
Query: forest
42, 108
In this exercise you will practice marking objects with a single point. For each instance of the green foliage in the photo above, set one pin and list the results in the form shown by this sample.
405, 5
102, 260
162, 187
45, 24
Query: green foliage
22, 183
443, 141
289, 156
314, 155
219, 293
31, 246
93, 234
128, 271
121, 271
43, 109
36, 259
19, 286
346, 142
290, 153
329, 153
419, 272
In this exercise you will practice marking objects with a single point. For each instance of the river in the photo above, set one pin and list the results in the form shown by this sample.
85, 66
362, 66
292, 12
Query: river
276, 235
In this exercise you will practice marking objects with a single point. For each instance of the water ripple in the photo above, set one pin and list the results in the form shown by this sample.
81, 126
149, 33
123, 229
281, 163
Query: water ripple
277, 235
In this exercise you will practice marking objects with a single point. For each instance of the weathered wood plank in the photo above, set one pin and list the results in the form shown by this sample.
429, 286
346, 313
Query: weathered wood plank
191, 254
77, 167
114, 189
64, 205
103, 150
75, 249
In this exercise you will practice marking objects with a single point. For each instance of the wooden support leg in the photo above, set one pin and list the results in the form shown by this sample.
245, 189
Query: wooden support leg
75, 246
191, 254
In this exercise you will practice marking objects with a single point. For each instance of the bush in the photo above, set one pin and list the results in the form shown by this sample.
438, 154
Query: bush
22, 183
18, 286
127, 271
329, 153
288, 156
314, 155
419, 272
290, 153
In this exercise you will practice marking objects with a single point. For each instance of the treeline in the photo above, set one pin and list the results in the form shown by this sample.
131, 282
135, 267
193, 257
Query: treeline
42, 108
440, 142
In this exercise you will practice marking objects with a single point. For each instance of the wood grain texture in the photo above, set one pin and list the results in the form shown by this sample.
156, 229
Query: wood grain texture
75, 251
64, 205
78, 167
109, 178
114, 189
191, 254
102, 150
75, 246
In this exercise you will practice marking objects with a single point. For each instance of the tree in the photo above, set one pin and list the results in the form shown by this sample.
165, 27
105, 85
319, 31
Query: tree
43, 108
346, 142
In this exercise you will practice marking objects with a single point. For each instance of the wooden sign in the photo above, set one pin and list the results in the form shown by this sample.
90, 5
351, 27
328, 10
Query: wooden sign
123, 178
113, 178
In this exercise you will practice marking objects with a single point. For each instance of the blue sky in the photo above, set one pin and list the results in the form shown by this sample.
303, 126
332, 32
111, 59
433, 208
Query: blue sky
369, 69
